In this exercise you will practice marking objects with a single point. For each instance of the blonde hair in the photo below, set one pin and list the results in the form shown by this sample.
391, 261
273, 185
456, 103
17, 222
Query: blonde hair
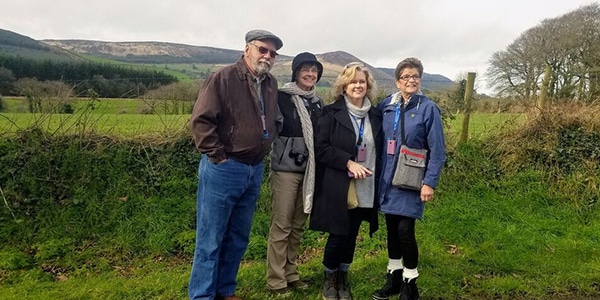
347, 75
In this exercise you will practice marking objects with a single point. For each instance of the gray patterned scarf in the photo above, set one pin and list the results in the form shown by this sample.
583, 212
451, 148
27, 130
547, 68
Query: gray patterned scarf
308, 185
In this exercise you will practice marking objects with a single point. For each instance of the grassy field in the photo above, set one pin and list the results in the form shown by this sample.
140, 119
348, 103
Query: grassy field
126, 116
487, 235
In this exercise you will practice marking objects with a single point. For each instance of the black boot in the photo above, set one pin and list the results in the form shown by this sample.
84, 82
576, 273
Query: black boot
343, 286
392, 286
410, 290
330, 289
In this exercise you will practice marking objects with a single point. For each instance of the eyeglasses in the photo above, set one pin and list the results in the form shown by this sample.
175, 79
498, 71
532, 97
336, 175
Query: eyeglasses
264, 50
415, 77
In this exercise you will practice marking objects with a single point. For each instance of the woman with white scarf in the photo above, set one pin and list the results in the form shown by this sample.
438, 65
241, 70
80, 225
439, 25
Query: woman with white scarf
292, 175
347, 145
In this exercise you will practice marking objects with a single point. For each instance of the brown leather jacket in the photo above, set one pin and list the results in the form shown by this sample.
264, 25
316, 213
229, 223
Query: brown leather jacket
226, 120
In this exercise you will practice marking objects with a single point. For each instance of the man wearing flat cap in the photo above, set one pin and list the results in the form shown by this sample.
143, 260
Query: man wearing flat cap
233, 124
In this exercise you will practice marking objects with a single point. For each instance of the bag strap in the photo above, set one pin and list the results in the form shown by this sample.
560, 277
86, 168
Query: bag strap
402, 111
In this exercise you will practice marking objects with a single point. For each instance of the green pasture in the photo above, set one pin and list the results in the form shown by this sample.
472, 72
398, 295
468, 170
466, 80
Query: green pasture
136, 116
482, 125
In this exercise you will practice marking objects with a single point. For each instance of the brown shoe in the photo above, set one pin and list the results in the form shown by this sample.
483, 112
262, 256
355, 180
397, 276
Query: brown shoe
234, 297
298, 285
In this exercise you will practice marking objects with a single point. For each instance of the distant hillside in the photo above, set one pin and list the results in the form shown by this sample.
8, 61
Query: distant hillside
428, 82
24, 58
171, 53
149, 52
338, 59
14, 44
196, 61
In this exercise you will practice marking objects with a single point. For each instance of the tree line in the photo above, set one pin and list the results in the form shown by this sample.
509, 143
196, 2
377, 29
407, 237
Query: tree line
559, 57
103, 79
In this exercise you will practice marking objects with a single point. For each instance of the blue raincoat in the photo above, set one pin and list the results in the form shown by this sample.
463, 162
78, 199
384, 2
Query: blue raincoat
424, 130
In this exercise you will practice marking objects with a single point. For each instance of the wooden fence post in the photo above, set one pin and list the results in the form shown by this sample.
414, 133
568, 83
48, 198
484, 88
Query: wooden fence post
464, 134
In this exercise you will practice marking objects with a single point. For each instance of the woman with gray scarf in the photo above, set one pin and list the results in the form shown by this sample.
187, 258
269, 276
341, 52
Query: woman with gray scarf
292, 175
347, 145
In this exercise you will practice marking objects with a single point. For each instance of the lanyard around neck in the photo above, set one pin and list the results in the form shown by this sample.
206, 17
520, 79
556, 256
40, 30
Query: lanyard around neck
400, 112
361, 129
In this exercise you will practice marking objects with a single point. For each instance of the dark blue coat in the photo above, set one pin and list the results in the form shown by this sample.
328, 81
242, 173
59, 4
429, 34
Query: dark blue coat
424, 130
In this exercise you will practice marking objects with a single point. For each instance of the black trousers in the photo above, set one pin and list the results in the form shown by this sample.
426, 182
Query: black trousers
340, 248
402, 243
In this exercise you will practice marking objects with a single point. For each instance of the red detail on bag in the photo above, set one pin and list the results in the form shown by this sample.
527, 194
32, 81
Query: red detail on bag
404, 151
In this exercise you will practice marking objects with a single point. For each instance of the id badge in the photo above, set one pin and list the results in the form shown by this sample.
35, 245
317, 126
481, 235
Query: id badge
361, 155
391, 147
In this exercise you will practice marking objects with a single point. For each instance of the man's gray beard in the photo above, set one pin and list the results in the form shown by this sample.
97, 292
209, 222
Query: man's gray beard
262, 67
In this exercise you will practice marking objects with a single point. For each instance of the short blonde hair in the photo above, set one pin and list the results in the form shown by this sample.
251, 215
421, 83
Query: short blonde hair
347, 75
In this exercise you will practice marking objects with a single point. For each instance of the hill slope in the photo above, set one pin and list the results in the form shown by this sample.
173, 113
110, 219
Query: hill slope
149, 52
429, 81
195, 61
14, 44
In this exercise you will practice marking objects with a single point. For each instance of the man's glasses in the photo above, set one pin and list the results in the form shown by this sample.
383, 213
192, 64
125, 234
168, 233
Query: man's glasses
415, 77
264, 50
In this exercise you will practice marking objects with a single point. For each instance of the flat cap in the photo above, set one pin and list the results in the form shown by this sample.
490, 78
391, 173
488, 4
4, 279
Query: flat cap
260, 34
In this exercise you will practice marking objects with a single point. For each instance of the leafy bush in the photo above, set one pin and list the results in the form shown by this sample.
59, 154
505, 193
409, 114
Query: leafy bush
564, 143
71, 193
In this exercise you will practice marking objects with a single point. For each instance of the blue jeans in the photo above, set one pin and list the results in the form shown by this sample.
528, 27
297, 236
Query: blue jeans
225, 204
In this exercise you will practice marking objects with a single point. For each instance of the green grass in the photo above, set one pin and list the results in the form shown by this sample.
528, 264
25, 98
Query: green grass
105, 105
118, 124
487, 234
117, 117
474, 245
482, 125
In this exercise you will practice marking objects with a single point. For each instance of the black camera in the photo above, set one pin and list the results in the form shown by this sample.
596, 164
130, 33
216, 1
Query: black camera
299, 157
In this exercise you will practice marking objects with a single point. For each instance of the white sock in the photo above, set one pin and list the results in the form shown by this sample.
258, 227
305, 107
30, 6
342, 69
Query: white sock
394, 264
409, 274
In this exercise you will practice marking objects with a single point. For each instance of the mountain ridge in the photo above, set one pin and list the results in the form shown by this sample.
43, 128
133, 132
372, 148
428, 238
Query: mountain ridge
189, 57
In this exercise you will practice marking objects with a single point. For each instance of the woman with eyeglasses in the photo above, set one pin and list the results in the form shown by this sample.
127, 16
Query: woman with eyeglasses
347, 145
292, 175
412, 119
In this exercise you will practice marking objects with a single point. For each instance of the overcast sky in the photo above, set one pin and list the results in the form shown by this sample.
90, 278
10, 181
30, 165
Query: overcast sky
451, 37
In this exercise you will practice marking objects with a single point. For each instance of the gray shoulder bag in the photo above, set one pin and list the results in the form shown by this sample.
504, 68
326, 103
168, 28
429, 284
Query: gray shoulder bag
410, 168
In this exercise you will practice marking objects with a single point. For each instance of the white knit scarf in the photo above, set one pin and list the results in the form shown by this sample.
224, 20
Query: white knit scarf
308, 185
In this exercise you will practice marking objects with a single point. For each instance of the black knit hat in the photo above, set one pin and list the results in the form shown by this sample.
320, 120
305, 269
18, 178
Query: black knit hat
306, 58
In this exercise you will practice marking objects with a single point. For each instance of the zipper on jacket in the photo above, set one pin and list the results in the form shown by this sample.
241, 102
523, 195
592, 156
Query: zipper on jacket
231, 135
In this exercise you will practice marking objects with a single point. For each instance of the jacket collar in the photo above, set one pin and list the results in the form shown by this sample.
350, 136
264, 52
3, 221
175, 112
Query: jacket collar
341, 114
414, 101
